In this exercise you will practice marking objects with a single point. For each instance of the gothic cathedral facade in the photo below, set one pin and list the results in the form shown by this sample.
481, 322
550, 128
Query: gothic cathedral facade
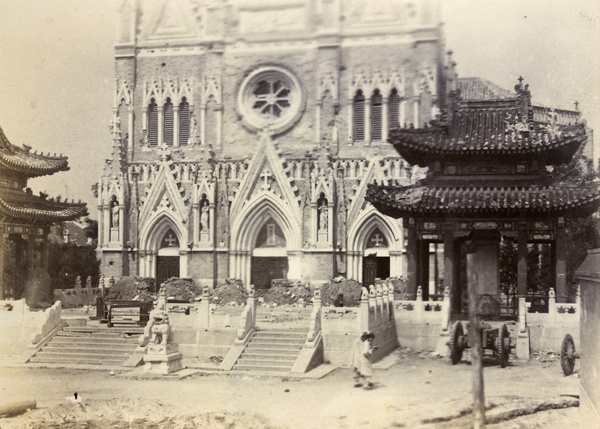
244, 134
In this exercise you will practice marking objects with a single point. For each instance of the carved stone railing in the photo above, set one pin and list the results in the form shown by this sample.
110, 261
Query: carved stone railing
51, 325
314, 329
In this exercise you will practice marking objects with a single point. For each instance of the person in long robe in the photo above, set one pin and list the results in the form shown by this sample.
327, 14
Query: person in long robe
361, 359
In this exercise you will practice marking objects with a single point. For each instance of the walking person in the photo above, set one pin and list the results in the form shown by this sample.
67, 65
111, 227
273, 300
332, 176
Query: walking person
361, 360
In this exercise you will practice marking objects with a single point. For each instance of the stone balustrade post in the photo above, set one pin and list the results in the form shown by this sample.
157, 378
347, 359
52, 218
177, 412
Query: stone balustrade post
204, 310
391, 302
551, 305
419, 303
378, 306
372, 307
364, 310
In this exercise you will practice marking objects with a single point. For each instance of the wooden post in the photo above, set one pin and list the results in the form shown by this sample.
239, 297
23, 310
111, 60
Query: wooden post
475, 341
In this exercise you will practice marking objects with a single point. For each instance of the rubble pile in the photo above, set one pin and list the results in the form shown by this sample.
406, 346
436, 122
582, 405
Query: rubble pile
232, 292
297, 295
132, 288
350, 289
182, 290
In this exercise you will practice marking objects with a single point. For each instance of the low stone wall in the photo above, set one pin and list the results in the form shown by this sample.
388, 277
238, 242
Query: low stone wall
341, 326
547, 330
77, 297
588, 275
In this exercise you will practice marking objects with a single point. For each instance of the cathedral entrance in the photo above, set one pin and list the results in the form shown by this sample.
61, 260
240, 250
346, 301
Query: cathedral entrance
266, 269
269, 256
376, 260
375, 267
167, 262
166, 267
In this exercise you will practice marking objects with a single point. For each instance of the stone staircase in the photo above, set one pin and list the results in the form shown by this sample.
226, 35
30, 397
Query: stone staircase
89, 345
272, 350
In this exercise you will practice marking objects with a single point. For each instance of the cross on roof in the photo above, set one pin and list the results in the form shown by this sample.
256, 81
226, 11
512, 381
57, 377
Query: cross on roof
521, 79
576, 105
266, 175
164, 152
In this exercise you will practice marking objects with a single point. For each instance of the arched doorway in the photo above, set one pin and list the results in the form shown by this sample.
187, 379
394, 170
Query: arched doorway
376, 258
167, 262
269, 255
374, 248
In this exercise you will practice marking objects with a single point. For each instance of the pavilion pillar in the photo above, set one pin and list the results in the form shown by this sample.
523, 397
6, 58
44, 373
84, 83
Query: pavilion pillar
522, 260
412, 251
561, 262
3, 237
449, 257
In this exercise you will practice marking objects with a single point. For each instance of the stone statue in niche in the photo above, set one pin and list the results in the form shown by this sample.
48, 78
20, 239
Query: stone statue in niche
323, 216
204, 216
114, 214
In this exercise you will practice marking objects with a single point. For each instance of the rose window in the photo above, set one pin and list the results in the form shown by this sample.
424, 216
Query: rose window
270, 98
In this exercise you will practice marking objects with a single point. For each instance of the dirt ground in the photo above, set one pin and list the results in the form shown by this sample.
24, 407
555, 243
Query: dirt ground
412, 390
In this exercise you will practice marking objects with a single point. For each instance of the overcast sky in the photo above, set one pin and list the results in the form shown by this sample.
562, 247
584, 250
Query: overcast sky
57, 69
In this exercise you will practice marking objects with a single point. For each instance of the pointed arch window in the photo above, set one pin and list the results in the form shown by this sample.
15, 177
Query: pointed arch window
184, 122
153, 123
168, 123
359, 116
394, 109
376, 115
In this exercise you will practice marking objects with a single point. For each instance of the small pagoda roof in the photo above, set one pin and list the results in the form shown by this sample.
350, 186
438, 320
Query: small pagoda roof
484, 122
427, 200
22, 162
26, 207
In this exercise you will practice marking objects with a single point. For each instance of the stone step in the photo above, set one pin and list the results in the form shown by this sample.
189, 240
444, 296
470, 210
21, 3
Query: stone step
83, 353
273, 350
267, 357
278, 341
73, 341
263, 368
133, 330
281, 335
126, 348
70, 360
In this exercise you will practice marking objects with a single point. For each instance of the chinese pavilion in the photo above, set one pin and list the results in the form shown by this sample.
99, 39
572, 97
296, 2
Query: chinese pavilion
488, 181
25, 218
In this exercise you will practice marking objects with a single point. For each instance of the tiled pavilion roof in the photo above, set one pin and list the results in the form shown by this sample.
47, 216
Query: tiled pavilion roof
481, 201
22, 162
25, 207
486, 122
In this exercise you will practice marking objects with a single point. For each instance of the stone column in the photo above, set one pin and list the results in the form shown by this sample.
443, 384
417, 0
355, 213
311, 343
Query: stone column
175, 125
2, 282
411, 250
203, 123
448, 259
219, 126
364, 310
318, 123
416, 112
130, 139
402, 112
522, 260
106, 210
384, 119
368, 121
161, 125
196, 225
350, 121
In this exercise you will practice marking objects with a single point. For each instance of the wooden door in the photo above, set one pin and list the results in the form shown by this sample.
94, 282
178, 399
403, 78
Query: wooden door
167, 267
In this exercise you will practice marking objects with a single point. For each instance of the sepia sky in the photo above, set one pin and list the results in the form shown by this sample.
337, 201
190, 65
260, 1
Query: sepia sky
57, 69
